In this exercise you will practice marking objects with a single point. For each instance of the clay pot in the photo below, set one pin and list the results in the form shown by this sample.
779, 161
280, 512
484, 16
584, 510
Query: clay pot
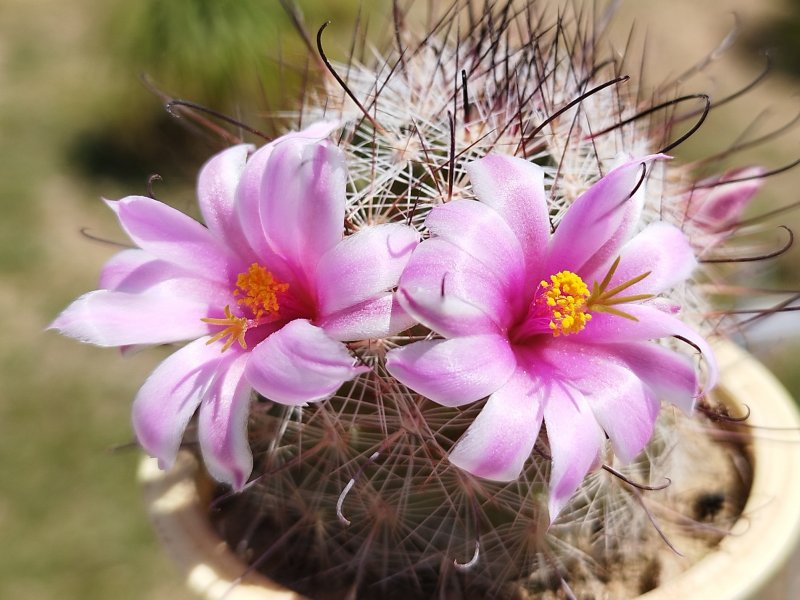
758, 560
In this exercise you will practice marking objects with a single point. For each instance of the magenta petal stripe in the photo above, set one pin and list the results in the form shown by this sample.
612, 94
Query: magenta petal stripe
300, 364
313, 177
174, 237
575, 440
363, 265
216, 196
222, 423
661, 250
169, 397
514, 188
600, 220
501, 438
454, 372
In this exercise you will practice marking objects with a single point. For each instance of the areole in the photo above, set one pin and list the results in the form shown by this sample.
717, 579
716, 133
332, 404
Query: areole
749, 563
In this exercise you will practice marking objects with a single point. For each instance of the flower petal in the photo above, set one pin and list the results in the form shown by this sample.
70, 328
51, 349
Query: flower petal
453, 372
514, 188
481, 232
300, 364
165, 313
501, 438
135, 270
575, 441
216, 195
377, 317
363, 265
174, 237
671, 376
651, 324
660, 249
442, 285
717, 206
167, 400
599, 221
222, 423
447, 315
302, 202
248, 193
621, 405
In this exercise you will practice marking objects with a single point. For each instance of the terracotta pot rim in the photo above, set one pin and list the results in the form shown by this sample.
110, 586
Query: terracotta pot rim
759, 545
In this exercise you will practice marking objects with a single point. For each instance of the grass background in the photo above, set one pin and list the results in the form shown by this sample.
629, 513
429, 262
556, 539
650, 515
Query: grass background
76, 124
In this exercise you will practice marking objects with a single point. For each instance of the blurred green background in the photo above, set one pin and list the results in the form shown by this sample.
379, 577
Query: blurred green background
77, 124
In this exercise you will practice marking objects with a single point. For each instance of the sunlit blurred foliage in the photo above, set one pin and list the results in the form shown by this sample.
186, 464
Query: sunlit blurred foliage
244, 58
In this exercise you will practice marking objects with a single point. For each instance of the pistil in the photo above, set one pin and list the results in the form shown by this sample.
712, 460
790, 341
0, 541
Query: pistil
257, 291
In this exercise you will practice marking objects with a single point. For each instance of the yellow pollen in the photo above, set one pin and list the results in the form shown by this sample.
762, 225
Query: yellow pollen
259, 290
566, 296
235, 328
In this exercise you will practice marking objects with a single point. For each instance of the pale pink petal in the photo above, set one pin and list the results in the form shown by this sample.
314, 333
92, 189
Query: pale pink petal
165, 313
481, 232
378, 317
447, 315
661, 250
651, 324
216, 196
222, 423
174, 237
454, 372
135, 270
248, 193
438, 269
514, 188
167, 400
621, 405
575, 441
500, 440
302, 202
124, 263
300, 364
671, 376
599, 221
362, 266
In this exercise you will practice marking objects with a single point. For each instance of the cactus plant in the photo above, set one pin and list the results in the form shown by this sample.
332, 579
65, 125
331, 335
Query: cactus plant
512, 406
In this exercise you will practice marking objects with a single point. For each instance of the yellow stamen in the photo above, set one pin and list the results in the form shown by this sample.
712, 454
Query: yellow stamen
570, 304
259, 290
602, 299
566, 295
235, 329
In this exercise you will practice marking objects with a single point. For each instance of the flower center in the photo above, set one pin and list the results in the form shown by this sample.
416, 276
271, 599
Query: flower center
566, 298
566, 303
257, 290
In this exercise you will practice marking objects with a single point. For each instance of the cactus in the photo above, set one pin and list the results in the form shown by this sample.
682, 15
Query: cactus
356, 493
503, 138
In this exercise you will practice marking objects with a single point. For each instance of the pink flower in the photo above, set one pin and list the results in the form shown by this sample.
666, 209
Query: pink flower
714, 207
552, 327
268, 291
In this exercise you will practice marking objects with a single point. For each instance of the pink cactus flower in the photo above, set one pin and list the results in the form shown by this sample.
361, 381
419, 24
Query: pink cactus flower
269, 290
552, 327
714, 207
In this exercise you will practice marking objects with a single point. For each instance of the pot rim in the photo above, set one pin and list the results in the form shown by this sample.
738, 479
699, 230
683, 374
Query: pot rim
766, 534
743, 563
